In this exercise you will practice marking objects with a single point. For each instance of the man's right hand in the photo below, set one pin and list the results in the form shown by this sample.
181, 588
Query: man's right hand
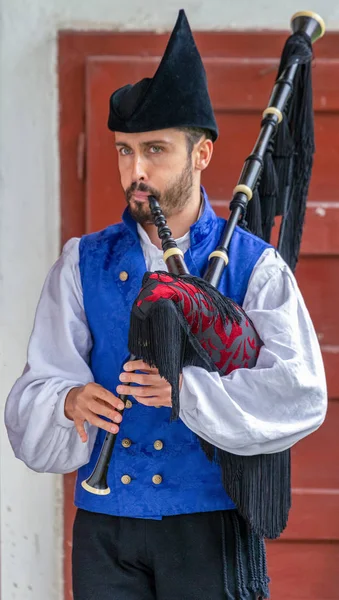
86, 403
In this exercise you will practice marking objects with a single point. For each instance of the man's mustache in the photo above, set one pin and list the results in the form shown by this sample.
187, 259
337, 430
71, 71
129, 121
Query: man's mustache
141, 187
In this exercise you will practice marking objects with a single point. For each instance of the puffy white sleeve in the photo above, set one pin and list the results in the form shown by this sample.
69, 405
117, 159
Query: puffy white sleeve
58, 357
283, 398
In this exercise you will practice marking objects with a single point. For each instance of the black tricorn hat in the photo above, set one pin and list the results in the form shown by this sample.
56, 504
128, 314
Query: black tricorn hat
177, 95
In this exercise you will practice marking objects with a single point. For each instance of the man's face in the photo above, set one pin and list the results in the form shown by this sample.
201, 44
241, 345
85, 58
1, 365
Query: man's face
154, 163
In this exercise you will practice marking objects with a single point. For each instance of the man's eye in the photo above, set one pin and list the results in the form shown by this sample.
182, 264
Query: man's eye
155, 149
125, 151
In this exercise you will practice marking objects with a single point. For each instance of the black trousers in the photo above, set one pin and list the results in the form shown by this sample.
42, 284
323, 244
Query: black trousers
184, 557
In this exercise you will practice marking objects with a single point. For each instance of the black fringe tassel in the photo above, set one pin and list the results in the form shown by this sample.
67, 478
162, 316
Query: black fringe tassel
253, 215
294, 148
283, 157
268, 189
287, 168
260, 487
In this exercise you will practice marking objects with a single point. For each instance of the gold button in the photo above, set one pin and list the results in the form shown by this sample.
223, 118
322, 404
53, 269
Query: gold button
158, 445
123, 276
157, 479
126, 443
128, 404
126, 479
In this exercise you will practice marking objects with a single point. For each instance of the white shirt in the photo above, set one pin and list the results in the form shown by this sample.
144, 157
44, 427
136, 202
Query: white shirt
251, 411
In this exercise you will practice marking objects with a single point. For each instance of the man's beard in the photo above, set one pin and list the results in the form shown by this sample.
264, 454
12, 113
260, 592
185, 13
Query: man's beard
172, 200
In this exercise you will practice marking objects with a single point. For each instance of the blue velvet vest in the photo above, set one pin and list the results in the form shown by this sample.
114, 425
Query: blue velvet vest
190, 483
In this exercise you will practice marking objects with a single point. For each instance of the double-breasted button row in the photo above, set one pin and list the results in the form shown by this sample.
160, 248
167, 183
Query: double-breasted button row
156, 479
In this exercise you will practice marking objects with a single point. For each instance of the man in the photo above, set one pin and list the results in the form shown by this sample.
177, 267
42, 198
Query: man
168, 529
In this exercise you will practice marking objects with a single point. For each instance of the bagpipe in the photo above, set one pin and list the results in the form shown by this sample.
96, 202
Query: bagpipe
204, 328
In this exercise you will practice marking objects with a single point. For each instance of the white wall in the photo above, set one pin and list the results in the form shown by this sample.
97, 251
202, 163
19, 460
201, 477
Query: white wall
31, 519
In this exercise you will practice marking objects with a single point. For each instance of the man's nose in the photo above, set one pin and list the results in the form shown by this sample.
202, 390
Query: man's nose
139, 170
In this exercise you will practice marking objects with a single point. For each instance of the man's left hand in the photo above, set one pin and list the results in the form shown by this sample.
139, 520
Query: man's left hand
152, 390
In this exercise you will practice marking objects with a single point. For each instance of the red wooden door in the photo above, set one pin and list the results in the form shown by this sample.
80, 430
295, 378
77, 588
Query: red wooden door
304, 563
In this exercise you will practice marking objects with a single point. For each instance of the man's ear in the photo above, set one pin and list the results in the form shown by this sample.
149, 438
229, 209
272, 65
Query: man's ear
202, 154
